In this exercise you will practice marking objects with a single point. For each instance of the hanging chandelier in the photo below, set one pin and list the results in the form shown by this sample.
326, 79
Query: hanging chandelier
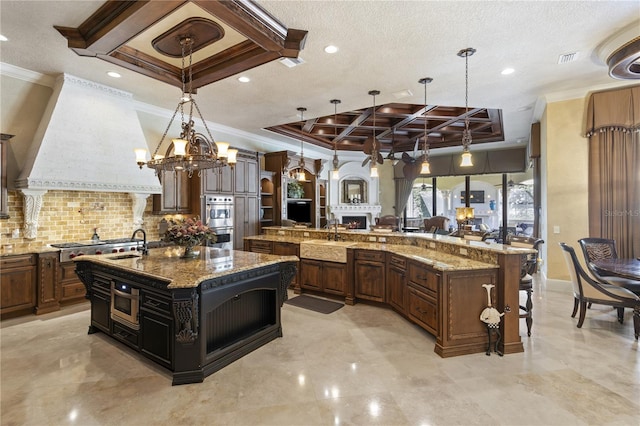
335, 173
191, 151
374, 147
299, 173
466, 134
425, 169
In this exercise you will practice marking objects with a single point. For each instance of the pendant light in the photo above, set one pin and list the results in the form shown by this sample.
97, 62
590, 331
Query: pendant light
425, 169
466, 134
374, 148
335, 173
192, 151
300, 175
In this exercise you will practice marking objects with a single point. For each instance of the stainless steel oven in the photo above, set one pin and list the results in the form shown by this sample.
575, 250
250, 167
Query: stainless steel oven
219, 211
224, 238
125, 303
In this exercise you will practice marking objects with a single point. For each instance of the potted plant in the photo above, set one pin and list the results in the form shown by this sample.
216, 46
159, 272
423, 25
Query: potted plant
295, 190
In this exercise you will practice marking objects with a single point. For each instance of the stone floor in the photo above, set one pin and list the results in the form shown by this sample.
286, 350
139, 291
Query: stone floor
360, 365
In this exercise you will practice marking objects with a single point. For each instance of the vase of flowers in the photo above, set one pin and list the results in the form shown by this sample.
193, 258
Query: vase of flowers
189, 233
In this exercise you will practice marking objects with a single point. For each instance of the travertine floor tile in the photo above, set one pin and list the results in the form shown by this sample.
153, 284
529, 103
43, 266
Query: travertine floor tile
361, 365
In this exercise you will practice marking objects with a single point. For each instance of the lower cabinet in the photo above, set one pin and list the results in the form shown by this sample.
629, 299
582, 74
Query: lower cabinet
71, 288
156, 327
396, 283
424, 290
330, 277
287, 249
48, 293
101, 311
17, 284
369, 277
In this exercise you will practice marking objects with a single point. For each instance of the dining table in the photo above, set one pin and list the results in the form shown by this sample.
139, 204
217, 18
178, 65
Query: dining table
623, 268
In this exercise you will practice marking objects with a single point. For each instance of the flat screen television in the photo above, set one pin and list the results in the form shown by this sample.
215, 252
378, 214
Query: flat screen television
300, 211
475, 197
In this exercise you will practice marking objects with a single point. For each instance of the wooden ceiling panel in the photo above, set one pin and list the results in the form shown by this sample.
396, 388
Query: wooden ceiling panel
398, 127
110, 32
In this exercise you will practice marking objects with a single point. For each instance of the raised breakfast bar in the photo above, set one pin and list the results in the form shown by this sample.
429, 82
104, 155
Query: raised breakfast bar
434, 281
192, 316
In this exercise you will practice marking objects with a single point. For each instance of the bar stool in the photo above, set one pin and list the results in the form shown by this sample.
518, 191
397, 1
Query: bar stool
528, 267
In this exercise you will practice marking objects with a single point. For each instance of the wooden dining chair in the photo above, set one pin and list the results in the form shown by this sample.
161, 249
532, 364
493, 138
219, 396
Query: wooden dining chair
587, 290
595, 249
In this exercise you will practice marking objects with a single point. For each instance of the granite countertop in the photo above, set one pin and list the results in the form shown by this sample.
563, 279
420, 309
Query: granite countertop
25, 248
409, 238
438, 260
166, 264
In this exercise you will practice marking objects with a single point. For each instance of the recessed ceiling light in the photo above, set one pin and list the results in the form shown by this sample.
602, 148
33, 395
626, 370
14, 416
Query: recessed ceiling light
507, 71
331, 49
113, 74
244, 79
3, 38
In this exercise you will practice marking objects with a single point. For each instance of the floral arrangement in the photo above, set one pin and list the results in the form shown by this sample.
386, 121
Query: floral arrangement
353, 225
189, 232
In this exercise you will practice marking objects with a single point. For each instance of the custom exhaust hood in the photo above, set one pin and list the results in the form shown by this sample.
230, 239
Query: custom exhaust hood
85, 142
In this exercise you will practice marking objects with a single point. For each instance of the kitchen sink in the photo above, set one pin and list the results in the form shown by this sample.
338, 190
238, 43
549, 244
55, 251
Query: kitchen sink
330, 251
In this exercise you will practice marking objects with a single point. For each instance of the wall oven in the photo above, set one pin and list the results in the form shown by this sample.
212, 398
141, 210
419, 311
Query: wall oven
125, 303
219, 211
219, 217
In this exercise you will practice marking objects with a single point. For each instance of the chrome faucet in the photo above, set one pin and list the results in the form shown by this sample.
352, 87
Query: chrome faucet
145, 248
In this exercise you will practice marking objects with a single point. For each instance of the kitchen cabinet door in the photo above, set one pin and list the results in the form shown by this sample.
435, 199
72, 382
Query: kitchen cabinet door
334, 278
48, 293
17, 284
396, 289
246, 221
311, 274
218, 181
369, 271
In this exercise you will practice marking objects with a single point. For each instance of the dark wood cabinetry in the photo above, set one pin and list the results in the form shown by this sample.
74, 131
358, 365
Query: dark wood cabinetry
369, 277
156, 323
396, 283
48, 293
281, 163
180, 194
218, 181
4, 207
329, 277
424, 289
71, 288
18, 284
267, 196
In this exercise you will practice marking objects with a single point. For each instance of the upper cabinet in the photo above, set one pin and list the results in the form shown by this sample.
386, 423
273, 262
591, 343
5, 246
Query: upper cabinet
180, 194
4, 199
218, 181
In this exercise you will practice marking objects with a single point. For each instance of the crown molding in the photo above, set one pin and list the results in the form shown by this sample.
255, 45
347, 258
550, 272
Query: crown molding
26, 75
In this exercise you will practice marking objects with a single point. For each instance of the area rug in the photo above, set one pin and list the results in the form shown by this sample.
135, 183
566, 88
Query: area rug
314, 304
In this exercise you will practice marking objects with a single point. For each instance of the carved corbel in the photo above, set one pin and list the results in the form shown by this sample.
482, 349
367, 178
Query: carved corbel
139, 205
32, 206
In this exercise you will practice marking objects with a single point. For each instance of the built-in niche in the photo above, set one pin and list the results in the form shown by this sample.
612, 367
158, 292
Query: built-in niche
354, 191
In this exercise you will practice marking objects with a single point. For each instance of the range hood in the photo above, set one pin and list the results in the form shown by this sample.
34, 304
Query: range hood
85, 142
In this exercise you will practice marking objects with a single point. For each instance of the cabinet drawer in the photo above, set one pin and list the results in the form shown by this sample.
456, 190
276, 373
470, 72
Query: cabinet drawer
373, 256
156, 303
7, 262
398, 261
102, 283
261, 246
73, 291
423, 277
125, 334
423, 309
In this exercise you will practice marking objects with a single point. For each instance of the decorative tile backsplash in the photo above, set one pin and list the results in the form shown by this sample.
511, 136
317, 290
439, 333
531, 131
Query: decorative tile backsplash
72, 216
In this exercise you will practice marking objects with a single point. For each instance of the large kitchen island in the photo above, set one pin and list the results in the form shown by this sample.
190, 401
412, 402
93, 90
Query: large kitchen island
192, 316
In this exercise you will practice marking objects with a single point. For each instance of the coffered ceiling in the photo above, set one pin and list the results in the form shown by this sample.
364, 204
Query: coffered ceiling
398, 127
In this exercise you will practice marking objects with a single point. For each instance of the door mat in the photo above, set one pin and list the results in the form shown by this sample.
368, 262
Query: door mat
315, 304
